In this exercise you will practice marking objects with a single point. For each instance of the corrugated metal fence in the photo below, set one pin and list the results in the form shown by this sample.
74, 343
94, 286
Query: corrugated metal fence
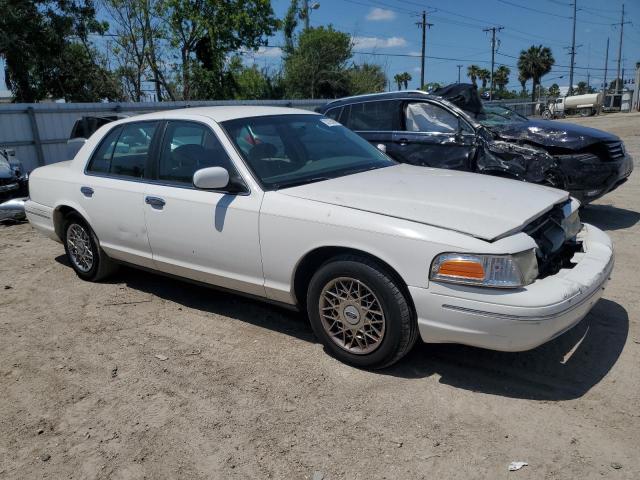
39, 132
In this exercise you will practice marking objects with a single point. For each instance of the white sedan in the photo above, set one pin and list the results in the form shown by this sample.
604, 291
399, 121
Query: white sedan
292, 207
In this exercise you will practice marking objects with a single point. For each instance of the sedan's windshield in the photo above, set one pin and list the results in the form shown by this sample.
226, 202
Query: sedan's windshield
289, 150
496, 115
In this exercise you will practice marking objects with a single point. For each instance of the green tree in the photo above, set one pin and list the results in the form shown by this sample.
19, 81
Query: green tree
534, 63
473, 72
406, 78
397, 78
523, 79
428, 87
582, 88
81, 76
484, 76
554, 90
317, 66
366, 78
206, 32
501, 77
38, 37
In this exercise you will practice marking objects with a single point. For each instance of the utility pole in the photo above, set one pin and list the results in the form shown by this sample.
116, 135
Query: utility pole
493, 31
622, 22
305, 10
606, 64
573, 48
459, 67
423, 25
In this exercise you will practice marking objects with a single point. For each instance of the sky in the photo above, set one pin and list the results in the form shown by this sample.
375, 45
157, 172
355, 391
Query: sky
387, 34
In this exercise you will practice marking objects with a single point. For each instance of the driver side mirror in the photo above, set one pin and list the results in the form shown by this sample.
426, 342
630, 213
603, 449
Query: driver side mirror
211, 178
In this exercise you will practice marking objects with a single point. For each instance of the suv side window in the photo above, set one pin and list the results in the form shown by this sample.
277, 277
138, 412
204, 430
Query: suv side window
101, 159
427, 117
334, 113
188, 147
373, 116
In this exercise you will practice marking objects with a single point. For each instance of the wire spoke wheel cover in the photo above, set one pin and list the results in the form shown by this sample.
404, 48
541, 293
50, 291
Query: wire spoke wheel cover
80, 248
352, 315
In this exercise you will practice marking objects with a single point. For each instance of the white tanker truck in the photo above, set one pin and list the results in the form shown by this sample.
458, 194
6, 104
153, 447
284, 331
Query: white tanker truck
584, 105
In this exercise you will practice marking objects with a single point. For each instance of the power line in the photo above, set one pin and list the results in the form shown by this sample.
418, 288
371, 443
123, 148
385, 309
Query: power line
542, 12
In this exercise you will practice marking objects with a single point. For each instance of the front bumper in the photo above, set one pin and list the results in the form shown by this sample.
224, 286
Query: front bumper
9, 187
588, 181
522, 319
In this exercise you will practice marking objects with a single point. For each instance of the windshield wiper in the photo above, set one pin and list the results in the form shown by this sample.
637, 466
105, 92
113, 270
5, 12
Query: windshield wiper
297, 183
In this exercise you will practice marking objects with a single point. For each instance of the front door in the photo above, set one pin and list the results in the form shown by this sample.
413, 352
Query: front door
208, 236
434, 137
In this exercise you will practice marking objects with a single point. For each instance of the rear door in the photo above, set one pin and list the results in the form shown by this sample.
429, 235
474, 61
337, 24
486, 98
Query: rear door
433, 136
375, 121
112, 192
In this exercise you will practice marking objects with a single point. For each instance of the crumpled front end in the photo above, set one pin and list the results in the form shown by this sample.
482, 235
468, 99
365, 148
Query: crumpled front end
523, 162
587, 169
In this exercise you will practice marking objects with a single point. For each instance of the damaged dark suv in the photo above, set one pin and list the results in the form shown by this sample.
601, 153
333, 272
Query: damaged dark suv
452, 129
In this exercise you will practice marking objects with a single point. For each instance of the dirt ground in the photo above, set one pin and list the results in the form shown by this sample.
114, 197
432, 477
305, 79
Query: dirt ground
146, 377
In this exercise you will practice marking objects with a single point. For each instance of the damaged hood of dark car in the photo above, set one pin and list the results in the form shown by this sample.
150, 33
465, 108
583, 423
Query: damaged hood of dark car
549, 133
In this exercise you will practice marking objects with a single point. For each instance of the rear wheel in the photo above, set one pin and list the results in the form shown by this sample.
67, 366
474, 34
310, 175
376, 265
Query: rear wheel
359, 312
83, 250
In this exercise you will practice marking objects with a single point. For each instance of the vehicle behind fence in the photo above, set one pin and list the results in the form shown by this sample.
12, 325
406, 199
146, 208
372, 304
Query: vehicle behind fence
39, 132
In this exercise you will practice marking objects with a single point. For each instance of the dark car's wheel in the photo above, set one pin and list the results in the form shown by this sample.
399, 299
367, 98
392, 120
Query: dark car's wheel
359, 312
83, 250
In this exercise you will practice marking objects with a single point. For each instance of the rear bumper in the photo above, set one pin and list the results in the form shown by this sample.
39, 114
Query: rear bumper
41, 218
522, 319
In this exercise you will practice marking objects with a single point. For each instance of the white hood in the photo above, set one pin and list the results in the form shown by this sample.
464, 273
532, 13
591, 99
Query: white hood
479, 205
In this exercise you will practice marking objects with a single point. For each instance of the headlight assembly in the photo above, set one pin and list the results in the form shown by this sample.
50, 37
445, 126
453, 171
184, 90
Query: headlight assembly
500, 271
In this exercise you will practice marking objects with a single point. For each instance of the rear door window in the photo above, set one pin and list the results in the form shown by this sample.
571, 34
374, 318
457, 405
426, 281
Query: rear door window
124, 151
101, 160
379, 116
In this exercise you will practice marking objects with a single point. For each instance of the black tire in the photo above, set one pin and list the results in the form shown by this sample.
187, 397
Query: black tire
400, 327
101, 266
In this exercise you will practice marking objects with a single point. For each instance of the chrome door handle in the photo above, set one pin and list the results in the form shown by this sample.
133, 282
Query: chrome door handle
155, 202
403, 141
87, 191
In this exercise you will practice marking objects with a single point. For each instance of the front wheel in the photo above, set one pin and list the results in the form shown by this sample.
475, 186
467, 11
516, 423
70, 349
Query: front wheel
87, 259
359, 312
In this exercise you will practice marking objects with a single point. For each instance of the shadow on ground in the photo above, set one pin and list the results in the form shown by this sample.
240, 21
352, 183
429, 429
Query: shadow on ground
563, 369
608, 217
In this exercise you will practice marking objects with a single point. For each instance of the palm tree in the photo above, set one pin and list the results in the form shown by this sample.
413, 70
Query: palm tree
472, 73
523, 81
406, 78
501, 77
534, 63
398, 79
484, 75
554, 90
582, 88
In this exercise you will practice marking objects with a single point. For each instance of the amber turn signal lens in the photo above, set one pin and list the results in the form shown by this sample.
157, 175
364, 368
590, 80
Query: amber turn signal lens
462, 268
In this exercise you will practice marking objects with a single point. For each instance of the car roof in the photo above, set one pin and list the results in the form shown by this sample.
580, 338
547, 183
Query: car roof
220, 113
379, 96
